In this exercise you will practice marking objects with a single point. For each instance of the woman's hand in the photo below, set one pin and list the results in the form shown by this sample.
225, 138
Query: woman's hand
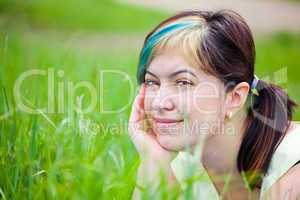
154, 158
142, 135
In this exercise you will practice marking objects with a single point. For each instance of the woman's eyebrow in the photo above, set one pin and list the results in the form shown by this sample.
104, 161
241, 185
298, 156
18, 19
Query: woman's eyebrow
148, 72
174, 73
182, 71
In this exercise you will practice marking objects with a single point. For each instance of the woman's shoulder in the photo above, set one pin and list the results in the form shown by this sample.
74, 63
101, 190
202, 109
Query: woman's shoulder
285, 157
293, 132
294, 127
288, 150
289, 146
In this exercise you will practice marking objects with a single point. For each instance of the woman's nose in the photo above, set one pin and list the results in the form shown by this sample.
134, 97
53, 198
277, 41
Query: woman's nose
163, 100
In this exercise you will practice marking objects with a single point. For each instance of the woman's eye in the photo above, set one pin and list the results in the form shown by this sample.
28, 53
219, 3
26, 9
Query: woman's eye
184, 83
150, 82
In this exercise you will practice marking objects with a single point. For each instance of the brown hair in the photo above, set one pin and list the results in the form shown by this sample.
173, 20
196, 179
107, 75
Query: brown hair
227, 50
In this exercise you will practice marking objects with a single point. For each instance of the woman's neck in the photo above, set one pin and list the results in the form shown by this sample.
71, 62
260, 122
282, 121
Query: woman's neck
219, 156
220, 151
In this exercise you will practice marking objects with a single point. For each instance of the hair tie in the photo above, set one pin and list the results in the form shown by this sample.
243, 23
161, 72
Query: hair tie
254, 84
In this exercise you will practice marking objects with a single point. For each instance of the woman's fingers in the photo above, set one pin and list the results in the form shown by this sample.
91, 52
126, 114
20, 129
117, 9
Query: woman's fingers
138, 128
137, 120
137, 112
144, 142
141, 95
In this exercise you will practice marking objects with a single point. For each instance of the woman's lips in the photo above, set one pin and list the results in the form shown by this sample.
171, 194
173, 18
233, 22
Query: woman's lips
166, 121
167, 126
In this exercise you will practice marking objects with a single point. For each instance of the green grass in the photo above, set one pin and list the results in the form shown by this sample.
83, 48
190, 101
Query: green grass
41, 161
89, 15
51, 156
41, 156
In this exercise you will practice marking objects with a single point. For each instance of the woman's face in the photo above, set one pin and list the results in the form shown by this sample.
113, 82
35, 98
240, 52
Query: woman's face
181, 102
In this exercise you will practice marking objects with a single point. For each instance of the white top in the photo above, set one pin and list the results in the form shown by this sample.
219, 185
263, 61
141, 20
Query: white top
186, 167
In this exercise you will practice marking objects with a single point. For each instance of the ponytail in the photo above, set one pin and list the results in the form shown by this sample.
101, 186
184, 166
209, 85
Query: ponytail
269, 116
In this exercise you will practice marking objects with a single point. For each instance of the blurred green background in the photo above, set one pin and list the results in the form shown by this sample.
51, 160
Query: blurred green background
48, 155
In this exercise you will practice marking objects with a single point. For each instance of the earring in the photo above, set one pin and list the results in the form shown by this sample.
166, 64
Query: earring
229, 115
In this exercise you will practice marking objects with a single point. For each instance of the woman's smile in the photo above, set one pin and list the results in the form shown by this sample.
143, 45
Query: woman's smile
167, 125
166, 120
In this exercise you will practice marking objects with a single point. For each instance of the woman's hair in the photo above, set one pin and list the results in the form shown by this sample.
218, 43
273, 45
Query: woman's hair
221, 44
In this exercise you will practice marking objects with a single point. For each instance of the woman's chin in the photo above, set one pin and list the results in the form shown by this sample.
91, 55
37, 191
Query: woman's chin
170, 142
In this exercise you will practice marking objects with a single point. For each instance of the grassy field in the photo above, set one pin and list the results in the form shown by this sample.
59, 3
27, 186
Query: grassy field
67, 154
91, 15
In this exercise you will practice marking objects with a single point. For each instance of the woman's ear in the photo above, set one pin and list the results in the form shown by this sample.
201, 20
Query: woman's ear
236, 98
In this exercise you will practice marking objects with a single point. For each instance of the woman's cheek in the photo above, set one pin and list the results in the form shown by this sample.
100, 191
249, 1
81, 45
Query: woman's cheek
206, 99
184, 102
197, 101
205, 111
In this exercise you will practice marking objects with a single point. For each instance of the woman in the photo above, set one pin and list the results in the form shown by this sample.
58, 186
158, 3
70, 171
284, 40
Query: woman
201, 103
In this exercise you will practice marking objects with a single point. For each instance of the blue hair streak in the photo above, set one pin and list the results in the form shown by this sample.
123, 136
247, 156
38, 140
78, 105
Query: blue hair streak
153, 40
